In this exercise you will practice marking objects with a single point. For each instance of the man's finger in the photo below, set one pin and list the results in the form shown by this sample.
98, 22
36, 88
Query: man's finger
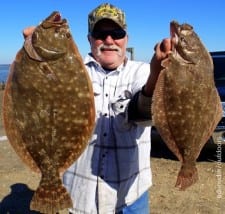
165, 45
28, 31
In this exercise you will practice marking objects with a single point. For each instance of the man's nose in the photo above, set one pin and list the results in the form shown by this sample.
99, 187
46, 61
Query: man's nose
109, 39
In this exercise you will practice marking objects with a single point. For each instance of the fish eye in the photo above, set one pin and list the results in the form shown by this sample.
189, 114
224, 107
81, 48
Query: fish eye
183, 41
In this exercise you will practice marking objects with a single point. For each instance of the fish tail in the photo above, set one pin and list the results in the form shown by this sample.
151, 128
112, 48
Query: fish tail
50, 198
187, 176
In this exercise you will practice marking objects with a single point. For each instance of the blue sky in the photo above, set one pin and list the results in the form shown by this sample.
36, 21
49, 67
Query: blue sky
148, 22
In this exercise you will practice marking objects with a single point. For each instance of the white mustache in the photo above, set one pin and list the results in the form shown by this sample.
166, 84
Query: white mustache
113, 47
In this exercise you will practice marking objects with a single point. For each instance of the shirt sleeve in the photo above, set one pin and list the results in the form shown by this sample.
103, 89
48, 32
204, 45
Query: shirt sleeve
139, 108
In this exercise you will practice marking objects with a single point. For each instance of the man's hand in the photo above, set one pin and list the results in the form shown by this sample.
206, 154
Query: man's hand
161, 52
28, 31
162, 49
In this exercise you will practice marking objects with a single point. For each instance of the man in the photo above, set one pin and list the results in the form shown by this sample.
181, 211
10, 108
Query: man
113, 175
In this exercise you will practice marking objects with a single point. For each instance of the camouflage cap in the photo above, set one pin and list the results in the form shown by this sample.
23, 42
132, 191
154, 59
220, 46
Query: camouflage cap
106, 11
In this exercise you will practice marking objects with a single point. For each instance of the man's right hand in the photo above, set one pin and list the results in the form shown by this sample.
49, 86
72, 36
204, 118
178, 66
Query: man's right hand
28, 31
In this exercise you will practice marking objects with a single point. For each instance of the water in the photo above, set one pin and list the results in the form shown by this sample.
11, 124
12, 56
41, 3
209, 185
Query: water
4, 70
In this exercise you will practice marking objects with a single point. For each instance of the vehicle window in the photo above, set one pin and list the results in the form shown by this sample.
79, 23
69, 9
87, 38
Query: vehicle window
219, 68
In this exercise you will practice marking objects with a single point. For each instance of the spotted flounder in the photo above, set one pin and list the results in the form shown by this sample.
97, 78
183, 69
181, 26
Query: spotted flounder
48, 108
186, 106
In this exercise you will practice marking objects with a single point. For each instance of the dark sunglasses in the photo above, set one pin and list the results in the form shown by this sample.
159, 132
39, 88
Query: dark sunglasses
115, 34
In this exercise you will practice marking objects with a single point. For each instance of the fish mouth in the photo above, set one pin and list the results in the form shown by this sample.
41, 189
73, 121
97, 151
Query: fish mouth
55, 19
32, 52
180, 49
51, 53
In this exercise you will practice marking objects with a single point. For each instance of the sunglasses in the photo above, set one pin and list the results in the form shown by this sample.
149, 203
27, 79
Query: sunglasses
115, 34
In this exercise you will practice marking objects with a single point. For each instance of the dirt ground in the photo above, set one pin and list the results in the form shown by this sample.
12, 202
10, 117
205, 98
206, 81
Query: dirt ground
207, 196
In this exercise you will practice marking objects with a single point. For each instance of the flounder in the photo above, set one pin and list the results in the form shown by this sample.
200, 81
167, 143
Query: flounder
186, 106
48, 108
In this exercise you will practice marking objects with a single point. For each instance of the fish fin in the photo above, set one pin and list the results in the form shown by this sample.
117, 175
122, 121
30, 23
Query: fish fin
187, 176
13, 135
50, 198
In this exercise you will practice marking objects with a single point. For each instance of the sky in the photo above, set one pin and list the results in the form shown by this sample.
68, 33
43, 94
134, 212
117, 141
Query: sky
147, 21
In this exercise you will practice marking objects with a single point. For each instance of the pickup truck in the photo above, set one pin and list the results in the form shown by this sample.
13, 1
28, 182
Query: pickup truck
219, 76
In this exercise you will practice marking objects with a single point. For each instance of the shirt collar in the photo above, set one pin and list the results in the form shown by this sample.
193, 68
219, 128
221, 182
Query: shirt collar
90, 59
